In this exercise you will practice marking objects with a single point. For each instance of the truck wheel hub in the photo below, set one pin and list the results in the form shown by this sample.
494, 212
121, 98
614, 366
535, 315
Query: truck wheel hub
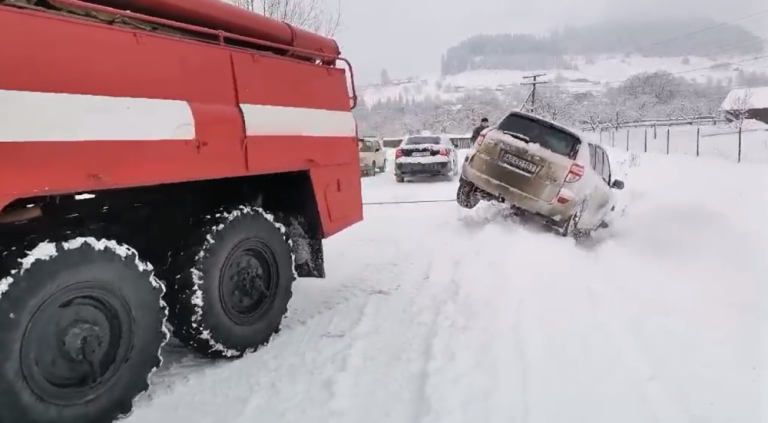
249, 279
74, 344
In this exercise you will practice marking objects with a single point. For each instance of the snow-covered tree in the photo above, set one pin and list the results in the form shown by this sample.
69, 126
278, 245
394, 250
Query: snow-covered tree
739, 106
555, 104
312, 15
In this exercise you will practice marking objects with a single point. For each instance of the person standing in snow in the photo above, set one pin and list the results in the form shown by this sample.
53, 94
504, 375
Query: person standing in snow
476, 133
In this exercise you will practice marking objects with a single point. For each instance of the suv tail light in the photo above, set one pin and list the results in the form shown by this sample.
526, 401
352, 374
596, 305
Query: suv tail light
398, 153
574, 173
443, 151
481, 137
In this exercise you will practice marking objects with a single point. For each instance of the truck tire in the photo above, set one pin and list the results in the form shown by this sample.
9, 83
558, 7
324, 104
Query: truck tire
234, 284
81, 327
466, 195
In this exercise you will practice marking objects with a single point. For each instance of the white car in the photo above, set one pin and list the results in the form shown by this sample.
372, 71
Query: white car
426, 155
541, 169
373, 158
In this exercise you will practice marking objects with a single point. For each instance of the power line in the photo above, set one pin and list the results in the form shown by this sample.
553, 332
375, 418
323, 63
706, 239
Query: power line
619, 81
724, 48
762, 12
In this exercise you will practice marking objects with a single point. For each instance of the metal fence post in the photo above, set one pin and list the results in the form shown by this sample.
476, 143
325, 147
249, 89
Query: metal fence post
667, 141
739, 160
645, 142
627, 139
698, 138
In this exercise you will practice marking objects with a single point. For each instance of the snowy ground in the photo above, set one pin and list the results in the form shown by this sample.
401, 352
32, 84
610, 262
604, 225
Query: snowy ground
436, 314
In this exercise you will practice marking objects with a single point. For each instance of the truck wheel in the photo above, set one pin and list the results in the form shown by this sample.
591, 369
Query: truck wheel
466, 195
234, 284
81, 327
400, 179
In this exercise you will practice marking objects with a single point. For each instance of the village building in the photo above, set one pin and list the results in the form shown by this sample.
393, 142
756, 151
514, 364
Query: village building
746, 103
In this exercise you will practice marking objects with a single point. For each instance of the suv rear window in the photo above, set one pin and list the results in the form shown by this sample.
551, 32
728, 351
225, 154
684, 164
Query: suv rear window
551, 138
421, 140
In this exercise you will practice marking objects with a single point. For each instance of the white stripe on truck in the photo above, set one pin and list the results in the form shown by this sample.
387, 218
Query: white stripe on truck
38, 116
27, 116
263, 120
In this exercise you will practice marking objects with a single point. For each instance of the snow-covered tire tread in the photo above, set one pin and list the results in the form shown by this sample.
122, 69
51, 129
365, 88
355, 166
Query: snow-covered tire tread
188, 324
32, 251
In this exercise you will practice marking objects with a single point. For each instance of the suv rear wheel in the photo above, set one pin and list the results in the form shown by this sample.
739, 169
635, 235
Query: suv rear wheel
571, 229
466, 194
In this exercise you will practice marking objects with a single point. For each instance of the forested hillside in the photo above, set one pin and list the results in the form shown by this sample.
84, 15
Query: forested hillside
659, 38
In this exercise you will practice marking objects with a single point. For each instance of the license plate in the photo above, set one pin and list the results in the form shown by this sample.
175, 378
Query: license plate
519, 163
420, 153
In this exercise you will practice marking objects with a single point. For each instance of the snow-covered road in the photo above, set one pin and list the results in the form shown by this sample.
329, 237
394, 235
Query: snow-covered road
435, 314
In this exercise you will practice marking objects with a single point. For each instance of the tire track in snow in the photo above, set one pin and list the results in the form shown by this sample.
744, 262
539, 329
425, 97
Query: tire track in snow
522, 363
390, 350
659, 400
422, 404
473, 371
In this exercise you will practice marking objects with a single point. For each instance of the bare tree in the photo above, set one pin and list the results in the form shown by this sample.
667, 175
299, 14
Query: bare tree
312, 15
739, 106
555, 104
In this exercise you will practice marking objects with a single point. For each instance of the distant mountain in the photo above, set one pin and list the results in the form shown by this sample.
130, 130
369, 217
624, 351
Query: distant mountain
659, 38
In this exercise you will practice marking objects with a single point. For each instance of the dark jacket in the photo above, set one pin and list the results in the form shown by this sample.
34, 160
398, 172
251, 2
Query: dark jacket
476, 133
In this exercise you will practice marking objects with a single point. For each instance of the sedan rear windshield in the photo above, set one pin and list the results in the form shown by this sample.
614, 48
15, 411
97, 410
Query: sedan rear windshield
549, 137
421, 140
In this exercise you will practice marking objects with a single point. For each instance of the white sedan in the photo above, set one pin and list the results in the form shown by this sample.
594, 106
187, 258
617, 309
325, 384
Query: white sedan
426, 155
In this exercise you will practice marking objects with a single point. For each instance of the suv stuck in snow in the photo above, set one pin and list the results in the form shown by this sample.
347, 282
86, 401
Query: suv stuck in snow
541, 169
176, 160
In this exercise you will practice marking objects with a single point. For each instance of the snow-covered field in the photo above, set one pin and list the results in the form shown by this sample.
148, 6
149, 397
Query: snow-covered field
436, 314
590, 76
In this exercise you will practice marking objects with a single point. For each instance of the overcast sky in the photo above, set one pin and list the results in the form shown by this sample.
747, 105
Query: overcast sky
407, 37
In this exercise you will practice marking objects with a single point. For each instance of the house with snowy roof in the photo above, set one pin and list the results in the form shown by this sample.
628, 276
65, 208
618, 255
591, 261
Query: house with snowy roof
746, 103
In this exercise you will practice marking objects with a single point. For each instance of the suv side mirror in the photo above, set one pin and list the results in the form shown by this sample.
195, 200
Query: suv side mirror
617, 184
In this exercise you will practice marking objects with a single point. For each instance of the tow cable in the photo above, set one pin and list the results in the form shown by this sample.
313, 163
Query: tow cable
387, 203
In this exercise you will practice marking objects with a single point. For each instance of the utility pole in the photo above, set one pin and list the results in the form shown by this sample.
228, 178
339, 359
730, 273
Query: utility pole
533, 83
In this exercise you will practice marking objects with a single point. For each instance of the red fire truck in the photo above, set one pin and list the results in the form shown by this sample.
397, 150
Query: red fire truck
176, 160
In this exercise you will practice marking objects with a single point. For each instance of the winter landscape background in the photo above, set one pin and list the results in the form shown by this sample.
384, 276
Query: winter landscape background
602, 74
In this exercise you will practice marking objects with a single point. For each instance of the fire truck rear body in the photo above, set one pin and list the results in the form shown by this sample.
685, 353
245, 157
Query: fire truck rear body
89, 107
